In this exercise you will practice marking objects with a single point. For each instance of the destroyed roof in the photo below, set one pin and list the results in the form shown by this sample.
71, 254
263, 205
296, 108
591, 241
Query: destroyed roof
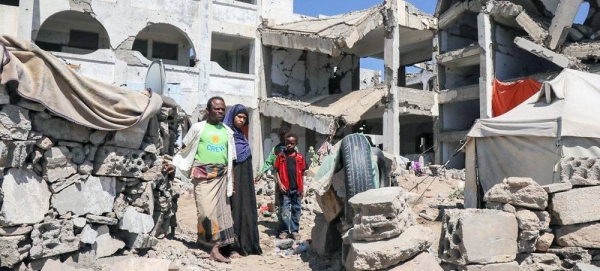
324, 114
340, 33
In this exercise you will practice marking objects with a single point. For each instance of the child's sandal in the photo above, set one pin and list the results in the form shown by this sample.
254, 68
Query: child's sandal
297, 236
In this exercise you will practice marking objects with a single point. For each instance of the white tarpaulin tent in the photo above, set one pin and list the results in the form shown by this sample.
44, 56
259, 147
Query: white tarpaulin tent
529, 141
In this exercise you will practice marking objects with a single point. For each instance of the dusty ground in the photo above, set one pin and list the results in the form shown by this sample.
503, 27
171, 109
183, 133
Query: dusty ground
432, 191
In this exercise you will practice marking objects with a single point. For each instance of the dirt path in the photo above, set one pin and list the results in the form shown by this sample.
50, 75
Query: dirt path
188, 256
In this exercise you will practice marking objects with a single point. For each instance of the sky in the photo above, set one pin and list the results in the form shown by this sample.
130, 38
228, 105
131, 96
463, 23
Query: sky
333, 7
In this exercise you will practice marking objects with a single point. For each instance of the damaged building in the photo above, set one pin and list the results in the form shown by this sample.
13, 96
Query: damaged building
313, 80
481, 46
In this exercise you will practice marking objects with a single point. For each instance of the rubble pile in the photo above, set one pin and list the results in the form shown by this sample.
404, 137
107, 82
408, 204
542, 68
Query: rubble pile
532, 227
385, 235
70, 192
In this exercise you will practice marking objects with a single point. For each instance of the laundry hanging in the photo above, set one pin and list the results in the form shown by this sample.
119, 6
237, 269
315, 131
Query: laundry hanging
507, 96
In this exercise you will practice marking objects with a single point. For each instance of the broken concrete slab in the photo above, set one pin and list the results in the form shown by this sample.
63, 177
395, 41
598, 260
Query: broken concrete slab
532, 27
463, 57
579, 235
136, 222
88, 235
423, 261
570, 256
383, 254
539, 261
544, 242
62, 183
14, 153
584, 50
79, 222
532, 220
557, 187
455, 12
466, 235
96, 219
105, 244
22, 187
330, 205
141, 241
121, 162
562, 22
380, 214
580, 171
56, 265
13, 250
538, 50
325, 236
58, 164
510, 266
131, 137
575, 206
53, 238
94, 196
526, 241
14, 123
523, 192
14, 231
60, 129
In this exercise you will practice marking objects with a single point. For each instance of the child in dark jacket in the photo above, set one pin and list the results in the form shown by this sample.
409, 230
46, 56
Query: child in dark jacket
290, 166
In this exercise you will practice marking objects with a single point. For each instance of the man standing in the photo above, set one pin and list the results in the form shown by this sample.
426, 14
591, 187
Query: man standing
207, 158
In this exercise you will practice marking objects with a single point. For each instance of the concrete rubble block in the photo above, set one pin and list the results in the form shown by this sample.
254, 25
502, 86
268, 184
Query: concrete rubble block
557, 187
580, 171
380, 214
466, 235
522, 192
79, 222
105, 244
14, 153
136, 222
14, 231
527, 240
23, 188
570, 256
58, 165
53, 238
586, 267
88, 235
561, 22
38, 264
383, 254
501, 207
55, 265
131, 137
121, 162
423, 261
141, 241
538, 261
579, 235
532, 220
86, 168
96, 219
544, 242
13, 250
61, 184
4, 96
575, 206
60, 129
329, 204
325, 236
14, 123
94, 196
44, 143
78, 155
510, 266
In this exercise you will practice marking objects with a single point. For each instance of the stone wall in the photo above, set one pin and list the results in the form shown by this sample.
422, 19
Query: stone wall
532, 227
70, 192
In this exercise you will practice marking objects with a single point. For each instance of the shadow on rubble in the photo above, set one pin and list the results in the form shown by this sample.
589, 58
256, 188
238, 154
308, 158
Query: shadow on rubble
315, 261
271, 227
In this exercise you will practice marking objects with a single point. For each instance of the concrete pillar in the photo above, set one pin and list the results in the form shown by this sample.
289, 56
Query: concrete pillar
561, 22
203, 52
255, 133
26, 13
486, 68
391, 49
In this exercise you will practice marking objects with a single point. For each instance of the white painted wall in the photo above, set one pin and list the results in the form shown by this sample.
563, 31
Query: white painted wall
9, 20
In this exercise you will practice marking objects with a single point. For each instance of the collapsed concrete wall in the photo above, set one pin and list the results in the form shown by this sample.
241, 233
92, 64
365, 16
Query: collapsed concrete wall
304, 73
73, 192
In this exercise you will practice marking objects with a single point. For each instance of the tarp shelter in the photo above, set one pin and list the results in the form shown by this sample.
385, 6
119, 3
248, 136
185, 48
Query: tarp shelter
561, 120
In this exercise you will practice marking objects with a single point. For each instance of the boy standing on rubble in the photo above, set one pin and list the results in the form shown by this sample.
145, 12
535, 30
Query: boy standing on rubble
290, 166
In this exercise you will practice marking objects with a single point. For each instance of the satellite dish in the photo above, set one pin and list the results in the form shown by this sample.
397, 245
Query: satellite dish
155, 77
